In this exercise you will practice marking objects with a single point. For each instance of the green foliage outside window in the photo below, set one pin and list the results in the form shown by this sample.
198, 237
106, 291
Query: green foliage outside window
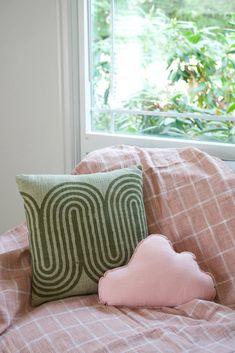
197, 44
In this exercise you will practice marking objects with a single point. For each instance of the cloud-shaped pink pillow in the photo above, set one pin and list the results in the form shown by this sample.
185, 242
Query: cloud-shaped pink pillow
156, 276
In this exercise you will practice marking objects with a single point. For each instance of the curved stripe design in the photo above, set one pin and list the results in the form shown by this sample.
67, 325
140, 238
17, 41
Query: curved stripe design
77, 233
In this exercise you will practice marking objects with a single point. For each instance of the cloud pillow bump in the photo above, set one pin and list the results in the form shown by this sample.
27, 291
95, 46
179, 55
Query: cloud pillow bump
156, 276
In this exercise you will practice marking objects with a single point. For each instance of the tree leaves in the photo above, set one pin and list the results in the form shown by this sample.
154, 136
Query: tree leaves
231, 108
199, 54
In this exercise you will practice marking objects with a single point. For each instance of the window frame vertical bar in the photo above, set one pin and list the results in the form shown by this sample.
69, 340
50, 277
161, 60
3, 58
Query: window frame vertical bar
84, 73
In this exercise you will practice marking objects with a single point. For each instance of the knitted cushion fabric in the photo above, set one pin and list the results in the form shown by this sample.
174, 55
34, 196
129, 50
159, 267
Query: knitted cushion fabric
80, 226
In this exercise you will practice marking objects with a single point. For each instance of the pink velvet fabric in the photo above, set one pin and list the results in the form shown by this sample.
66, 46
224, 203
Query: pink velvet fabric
189, 196
156, 276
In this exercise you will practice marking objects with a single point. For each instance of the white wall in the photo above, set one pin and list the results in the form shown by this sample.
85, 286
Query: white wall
31, 139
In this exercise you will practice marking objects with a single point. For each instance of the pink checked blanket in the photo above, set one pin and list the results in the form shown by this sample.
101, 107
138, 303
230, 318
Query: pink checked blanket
189, 197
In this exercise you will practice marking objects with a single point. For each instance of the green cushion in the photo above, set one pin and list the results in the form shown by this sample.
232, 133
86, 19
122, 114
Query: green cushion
79, 227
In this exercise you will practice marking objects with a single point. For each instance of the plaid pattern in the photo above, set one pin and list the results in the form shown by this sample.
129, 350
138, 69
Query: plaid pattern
82, 324
189, 197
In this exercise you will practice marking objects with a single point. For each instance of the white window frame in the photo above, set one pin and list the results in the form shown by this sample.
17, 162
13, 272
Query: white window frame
77, 10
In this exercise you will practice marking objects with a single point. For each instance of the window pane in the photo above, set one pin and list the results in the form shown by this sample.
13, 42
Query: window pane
173, 126
101, 49
165, 55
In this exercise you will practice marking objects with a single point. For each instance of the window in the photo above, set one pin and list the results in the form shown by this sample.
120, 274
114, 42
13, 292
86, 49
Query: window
163, 71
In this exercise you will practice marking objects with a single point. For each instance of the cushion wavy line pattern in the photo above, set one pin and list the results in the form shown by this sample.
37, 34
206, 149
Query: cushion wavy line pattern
156, 276
189, 196
80, 226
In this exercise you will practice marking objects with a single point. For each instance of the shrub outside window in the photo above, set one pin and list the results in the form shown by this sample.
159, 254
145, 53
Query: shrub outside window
163, 68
